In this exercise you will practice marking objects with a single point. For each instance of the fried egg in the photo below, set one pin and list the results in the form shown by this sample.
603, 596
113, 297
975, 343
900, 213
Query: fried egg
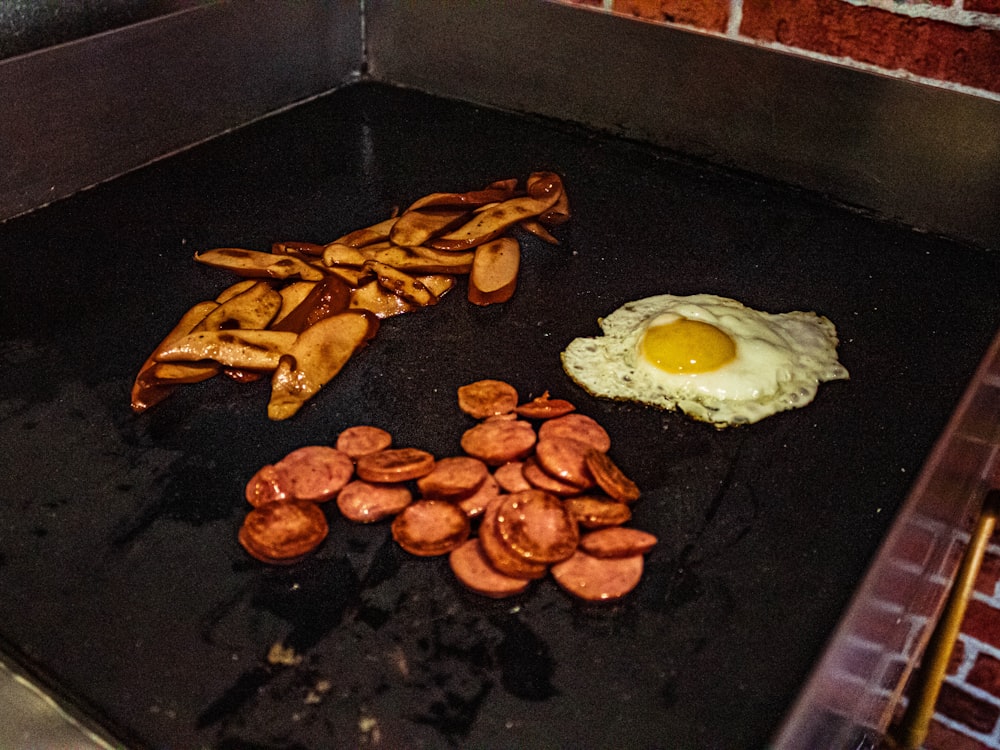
711, 357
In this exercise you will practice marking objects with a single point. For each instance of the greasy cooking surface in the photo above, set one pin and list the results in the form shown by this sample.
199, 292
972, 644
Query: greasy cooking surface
121, 580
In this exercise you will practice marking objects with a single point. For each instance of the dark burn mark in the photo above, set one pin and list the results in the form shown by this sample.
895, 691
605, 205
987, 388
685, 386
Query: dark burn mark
313, 597
526, 666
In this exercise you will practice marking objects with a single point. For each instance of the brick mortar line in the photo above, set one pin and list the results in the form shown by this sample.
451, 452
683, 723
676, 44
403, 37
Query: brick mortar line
982, 647
949, 14
987, 739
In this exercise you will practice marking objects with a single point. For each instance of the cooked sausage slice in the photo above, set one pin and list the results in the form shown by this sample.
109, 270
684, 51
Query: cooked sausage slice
283, 532
596, 513
617, 541
368, 502
610, 478
511, 477
475, 504
475, 571
565, 459
316, 473
499, 554
268, 485
395, 465
499, 441
544, 407
362, 439
453, 477
579, 427
598, 579
430, 527
537, 526
540, 479
487, 398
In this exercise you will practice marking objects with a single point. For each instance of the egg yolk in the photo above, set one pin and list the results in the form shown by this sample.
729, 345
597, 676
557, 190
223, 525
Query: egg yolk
687, 346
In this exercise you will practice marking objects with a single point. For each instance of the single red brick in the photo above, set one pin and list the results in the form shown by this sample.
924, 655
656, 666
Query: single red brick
983, 6
927, 47
966, 709
940, 737
982, 622
985, 674
711, 15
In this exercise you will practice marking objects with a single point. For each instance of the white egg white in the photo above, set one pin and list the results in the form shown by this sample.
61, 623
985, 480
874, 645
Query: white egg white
780, 360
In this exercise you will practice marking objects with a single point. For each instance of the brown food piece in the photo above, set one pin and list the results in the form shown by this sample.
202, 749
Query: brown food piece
610, 478
242, 376
395, 465
422, 260
487, 398
617, 541
361, 440
499, 554
268, 485
283, 532
147, 391
366, 236
510, 476
315, 473
538, 229
317, 355
453, 477
579, 427
368, 502
243, 349
292, 295
499, 441
597, 513
500, 190
380, 302
253, 308
255, 264
402, 284
327, 297
238, 288
430, 527
540, 479
474, 570
493, 277
336, 254
297, 248
544, 407
416, 226
598, 579
565, 459
475, 504
536, 525
544, 191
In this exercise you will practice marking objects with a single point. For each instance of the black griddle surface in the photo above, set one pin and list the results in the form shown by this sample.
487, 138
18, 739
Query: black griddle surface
121, 581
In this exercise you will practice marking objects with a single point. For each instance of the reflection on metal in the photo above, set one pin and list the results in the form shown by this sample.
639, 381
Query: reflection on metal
858, 684
31, 719
912, 729
85, 112
913, 153
29, 25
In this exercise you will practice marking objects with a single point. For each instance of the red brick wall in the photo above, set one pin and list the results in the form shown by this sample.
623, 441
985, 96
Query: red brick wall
955, 42
967, 714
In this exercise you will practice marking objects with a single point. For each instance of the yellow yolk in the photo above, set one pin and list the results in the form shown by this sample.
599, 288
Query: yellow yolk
687, 346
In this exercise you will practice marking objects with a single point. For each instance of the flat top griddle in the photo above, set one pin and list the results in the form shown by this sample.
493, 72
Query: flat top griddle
122, 585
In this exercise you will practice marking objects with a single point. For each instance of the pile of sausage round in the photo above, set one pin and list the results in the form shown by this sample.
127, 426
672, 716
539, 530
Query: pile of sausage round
535, 481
